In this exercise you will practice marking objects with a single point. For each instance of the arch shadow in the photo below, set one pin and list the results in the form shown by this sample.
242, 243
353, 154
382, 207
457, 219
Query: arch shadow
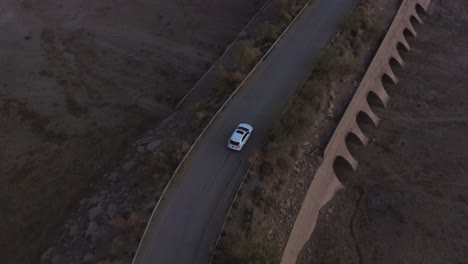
354, 144
365, 123
414, 21
420, 10
408, 34
394, 63
343, 170
374, 101
387, 80
402, 49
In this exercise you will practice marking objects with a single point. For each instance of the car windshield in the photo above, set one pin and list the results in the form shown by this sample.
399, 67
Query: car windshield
243, 129
233, 142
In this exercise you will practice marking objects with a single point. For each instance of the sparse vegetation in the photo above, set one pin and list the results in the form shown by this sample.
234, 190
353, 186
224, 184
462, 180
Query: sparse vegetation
343, 61
268, 33
168, 157
246, 55
251, 252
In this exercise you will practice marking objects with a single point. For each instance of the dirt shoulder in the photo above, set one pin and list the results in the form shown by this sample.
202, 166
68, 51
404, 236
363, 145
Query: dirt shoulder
407, 201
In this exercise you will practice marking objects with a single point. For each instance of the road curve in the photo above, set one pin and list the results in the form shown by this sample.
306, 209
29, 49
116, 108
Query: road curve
188, 220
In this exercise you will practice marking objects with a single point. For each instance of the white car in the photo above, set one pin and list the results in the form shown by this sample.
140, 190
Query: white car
240, 136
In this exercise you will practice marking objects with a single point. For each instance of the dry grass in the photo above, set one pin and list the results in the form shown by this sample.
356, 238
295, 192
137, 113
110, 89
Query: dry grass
167, 158
247, 54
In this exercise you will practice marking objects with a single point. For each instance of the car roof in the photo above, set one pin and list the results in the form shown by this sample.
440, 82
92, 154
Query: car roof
237, 135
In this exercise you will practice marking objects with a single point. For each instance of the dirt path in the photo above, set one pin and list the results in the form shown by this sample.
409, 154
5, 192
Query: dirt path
407, 201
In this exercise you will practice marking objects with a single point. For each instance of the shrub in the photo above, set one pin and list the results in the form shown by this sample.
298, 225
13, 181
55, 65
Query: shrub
283, 9
247, 251
236, 77
246, 55
268, 33
221, 75
170, 154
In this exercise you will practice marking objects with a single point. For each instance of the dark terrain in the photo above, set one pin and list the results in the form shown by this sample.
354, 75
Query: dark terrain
79, 80
407, 202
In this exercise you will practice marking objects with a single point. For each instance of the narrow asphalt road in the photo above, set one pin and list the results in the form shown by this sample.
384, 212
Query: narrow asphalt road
188, 220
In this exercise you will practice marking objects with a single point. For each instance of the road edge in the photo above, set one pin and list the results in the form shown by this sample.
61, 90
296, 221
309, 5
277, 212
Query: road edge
286, 30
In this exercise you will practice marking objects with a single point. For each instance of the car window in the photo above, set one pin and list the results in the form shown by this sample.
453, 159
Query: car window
243, 138
243, 129
233, 142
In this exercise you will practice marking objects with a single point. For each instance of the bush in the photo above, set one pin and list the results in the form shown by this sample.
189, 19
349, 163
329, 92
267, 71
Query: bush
202, 113
246, 251
236, 78
283, 10
246, 55
268, 33
166, 160
255, 252
221, 75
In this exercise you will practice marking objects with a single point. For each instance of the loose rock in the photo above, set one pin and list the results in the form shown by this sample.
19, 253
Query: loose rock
92, 230
89, 257
112, 211
141, 149
129, 165
153, 145
95, 212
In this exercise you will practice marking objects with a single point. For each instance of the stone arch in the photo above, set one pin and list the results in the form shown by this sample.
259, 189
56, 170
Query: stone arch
415, 20
409, 33
401, 48
354, 144
343, 169
359, 134
396, 61
389, 78
391, 74
364, 122
412, 29
375, 101
403, 41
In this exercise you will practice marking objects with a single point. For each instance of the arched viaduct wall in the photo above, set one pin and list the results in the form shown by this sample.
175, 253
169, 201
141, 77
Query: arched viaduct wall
326, 182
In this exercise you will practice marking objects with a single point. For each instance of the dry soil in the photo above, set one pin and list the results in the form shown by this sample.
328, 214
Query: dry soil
407, 202
78, 79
